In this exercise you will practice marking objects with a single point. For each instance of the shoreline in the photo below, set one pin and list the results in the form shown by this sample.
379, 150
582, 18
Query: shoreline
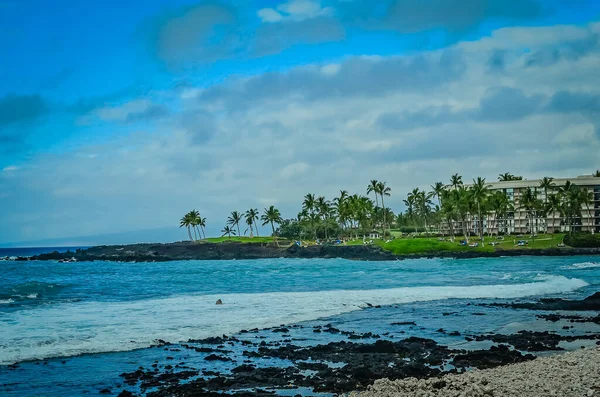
338, 358
162, 252
572, 373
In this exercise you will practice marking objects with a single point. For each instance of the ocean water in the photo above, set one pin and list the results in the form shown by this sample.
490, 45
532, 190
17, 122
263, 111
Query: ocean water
102, 316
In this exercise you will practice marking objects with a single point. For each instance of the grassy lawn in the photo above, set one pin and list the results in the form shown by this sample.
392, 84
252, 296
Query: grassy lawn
419, 245
255, 239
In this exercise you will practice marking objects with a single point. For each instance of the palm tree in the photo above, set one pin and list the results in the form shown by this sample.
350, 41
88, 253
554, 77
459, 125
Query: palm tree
480, 192
272, 216
202, 224
340, 205
554, 205
596, 174
383, 190
373, 187
448, 211
438, 188
227, 230
531, 204
507, 176
186, 221
234, 220
251, 218
547, 184
462, 200
571, 206
455, 181
410, 209
195, 222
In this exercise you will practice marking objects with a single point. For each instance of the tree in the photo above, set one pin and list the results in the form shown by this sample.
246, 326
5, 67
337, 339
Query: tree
547, 184
251, 218
197, 221
585, 197
383, 190
340, 205
227, 230
462, 200
186, 221
271, 216
323, 210
499, 205
456, 181
507, 176
554, 205
438, 188
410, 204
596, 174
424, 203
480, 192
570, 203
202, 224
373, 187
234, 220
531, 204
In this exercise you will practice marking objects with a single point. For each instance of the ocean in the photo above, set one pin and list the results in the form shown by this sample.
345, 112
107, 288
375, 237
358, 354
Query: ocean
90, 321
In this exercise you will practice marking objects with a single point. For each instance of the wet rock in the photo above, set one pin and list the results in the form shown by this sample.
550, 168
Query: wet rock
592, 302
495, 356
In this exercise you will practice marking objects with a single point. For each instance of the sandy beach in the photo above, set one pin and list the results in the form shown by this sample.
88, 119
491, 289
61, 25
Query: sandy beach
571, 374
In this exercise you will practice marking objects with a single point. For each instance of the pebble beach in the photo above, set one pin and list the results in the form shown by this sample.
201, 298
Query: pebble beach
575, 373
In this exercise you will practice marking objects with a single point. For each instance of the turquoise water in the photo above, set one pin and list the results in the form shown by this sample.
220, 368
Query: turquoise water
90, 310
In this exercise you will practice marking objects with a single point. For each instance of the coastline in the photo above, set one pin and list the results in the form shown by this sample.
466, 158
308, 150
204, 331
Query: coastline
570, 374
162, 252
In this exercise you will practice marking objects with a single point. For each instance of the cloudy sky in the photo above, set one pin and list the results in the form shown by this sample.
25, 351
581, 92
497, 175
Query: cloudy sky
119, 116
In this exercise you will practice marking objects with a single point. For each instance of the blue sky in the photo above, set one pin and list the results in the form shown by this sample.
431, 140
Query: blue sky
119, 116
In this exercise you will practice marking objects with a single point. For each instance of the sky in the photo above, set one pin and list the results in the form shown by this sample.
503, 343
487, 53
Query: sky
116, 118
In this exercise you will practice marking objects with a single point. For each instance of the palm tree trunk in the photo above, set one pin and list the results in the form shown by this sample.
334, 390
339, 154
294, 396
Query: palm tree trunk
274, 236
238, 228
480, 228
384, 217
189, 233
256, 226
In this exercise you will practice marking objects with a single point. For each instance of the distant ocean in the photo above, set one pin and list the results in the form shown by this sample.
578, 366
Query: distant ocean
30, 251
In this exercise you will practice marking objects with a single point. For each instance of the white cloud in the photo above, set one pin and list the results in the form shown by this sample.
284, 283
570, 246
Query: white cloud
331, 69
577, 134
10, 168
269, 15
295, 10
293, 170
271, 138
120, 113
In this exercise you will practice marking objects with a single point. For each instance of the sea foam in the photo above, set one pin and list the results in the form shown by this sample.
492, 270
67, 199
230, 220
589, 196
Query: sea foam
91, 327
583, 265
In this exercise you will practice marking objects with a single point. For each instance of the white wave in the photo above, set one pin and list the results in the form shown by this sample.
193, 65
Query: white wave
92, 327
583, 265
6, 301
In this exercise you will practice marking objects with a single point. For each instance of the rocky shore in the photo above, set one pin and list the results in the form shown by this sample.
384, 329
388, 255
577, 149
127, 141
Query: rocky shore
235, 250
275, 361
567, 375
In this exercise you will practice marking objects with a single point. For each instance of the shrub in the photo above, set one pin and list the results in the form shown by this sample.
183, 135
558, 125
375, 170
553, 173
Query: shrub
583, 240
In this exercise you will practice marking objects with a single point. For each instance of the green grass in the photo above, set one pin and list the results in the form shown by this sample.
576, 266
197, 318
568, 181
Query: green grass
255, 239
424, 245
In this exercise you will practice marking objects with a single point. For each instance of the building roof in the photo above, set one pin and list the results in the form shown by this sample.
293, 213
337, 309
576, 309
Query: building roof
583, 180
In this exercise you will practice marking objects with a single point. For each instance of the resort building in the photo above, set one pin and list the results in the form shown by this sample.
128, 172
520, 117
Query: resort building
517, 221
